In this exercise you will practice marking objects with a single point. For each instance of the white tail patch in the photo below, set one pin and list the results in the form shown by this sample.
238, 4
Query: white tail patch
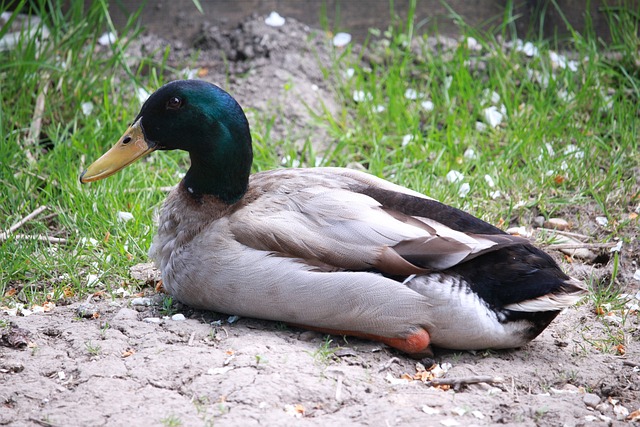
549, 302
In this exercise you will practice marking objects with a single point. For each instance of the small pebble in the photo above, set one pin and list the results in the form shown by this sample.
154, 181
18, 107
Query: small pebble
144, 301
86, 311
603, 407
274, 20
538, 221
557, 223
308, 336
178, 317
591, 400
152, 320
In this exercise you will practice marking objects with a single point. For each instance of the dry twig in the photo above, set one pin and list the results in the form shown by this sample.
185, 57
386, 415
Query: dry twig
560, 246
14, 227
457, 382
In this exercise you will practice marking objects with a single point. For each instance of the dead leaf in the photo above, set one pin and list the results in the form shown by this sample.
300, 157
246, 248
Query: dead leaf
129, 352
11, 292
203, 72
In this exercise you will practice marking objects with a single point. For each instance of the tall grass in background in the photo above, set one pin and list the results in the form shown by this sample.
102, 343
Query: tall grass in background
567, 146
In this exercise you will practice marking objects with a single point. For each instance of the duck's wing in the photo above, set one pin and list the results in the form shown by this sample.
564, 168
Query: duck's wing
341, 219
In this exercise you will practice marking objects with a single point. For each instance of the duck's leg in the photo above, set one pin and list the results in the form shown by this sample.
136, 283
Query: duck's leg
416, 344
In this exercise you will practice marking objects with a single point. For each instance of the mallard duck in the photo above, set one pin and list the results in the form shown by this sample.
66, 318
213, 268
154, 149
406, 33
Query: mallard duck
329, 249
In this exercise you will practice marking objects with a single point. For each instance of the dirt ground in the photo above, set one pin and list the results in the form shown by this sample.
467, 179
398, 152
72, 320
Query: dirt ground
129, 361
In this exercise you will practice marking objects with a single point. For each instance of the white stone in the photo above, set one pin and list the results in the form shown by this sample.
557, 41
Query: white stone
274, 20
341, 39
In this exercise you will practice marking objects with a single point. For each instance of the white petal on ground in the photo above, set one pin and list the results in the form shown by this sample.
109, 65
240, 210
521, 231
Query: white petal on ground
361, 96
454, 176
124, 216
107, 39
413, 94
572, 150
407, 139
617, 247
92, 279
449, 422
481, 127
87, 108
464, 189
427, 106
492, 116
429, 410
473, 44
349, 72
528, 49
602, 221
341, 39
274, 20
379, 108
490, 96
489, 181
470, 154
495, 194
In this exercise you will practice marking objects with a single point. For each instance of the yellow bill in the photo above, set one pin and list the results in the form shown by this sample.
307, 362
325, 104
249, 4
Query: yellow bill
129, 148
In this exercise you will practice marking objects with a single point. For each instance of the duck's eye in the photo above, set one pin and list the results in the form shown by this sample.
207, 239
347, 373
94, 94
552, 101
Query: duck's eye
174, 103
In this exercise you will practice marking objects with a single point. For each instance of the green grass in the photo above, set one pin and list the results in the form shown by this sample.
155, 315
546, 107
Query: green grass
574, 158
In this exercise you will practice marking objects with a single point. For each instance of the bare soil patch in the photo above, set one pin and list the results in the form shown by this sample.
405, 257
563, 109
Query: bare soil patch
129, 364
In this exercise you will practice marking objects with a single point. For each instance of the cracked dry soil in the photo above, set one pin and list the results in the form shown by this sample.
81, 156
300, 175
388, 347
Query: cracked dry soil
120, 369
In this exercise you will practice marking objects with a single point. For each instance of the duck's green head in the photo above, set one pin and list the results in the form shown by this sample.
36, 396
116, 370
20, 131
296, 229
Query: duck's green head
197, 117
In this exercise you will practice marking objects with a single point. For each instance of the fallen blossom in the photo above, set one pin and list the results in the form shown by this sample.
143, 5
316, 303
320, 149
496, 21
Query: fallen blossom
602, 221
464, 189
573, 151
454, 176
490, 96
92, 280
361, 96
413, 94
427, 105
341, 39
407, 139
489, 181
107, 39
87, 108
124, 216
472, 44
528, 49
493, 116
274, 20
379, 108
470, 154
617, 247
495, 194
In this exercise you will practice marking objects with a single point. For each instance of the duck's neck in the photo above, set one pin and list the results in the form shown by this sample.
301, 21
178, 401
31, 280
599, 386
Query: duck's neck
209, 174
